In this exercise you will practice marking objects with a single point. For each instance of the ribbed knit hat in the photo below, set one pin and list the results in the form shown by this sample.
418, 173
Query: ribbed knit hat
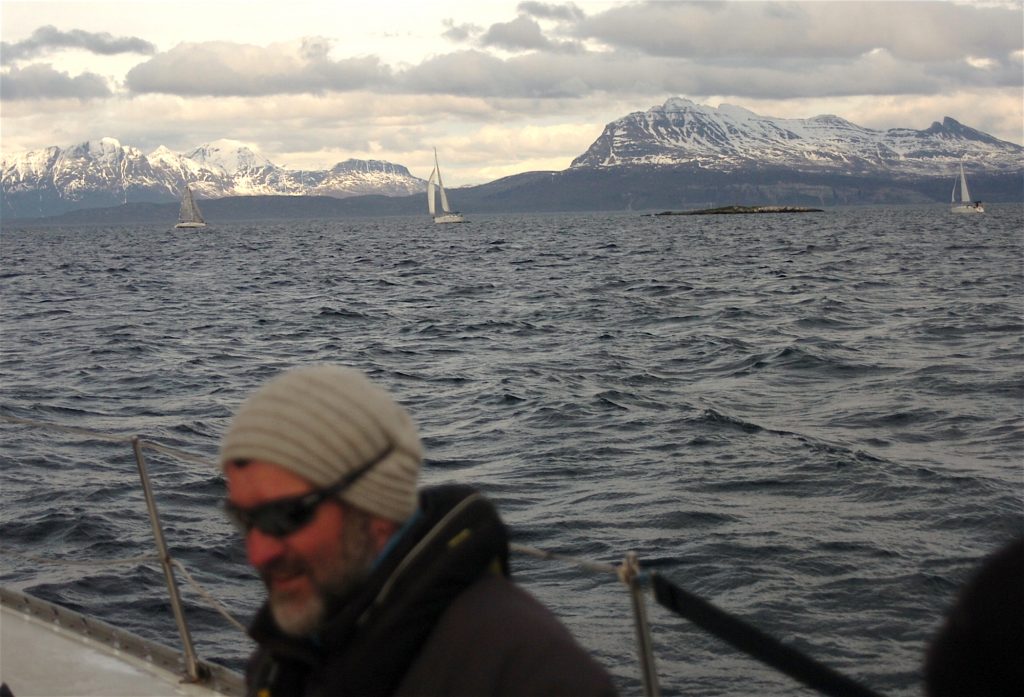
321, 423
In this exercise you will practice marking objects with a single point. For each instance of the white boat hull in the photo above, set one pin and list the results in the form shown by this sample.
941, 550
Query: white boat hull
53, 651
968, 208
449, 218
179, 225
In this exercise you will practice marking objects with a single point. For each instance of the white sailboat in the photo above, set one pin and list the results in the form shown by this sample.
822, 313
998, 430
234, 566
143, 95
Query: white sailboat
435, 187
189, 215
964, 204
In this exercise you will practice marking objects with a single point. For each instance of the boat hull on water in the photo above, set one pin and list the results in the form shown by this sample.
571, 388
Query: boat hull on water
51, 651
968, 208
449, 218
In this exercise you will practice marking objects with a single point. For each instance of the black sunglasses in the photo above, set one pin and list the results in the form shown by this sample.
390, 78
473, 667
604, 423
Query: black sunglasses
281, 517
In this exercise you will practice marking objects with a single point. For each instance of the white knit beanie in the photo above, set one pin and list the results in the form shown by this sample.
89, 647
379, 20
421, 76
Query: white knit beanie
323, 422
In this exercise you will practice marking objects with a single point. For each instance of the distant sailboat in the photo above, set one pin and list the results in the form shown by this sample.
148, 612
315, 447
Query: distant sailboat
964, 205
435, 187
189, 215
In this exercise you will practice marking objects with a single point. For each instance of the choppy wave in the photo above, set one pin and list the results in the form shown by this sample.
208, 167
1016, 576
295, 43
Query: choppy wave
813, 421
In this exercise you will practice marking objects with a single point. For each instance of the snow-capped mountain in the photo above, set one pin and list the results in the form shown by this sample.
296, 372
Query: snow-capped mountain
106, 173
230, 156
670, 154
731, 138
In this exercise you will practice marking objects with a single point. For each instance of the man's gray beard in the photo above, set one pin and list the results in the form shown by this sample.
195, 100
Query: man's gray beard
345, 575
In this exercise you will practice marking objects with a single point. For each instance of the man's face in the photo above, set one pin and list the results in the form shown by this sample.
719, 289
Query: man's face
307, 569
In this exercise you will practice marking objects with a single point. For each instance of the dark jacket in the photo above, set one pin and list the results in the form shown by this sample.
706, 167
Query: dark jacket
438, 617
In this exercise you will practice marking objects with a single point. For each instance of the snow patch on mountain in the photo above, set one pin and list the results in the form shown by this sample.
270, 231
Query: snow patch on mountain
232, 156
731, 138
105, 172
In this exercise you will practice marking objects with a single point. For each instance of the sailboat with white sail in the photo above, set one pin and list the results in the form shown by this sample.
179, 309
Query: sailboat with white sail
435, 189
189, 215
964, 204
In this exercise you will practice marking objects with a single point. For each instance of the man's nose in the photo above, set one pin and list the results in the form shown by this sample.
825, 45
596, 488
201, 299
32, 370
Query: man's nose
262, 548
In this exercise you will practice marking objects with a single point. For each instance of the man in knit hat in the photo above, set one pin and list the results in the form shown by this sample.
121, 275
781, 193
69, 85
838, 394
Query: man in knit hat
375, 588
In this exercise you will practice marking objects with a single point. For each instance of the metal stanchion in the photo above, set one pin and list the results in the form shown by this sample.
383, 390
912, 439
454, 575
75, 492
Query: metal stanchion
629, 574
195, 672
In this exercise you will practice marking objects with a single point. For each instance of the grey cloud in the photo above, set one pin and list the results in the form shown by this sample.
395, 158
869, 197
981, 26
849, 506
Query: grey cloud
525, 34
315, 48
915, 31
48, 38
225, 69
478, 74
532, 76
959, 73
542, 10
459, 33
41, 81
575, 76
520, 33
462, 73
827, 80
739, 49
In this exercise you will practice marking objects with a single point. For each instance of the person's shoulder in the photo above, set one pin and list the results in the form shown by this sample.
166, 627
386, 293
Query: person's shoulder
497, 639
497, 599
505, 627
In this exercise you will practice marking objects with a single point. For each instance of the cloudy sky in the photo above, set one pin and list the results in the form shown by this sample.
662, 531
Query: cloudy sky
497, 86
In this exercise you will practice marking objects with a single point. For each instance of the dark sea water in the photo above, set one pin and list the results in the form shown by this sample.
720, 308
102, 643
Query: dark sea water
813, 421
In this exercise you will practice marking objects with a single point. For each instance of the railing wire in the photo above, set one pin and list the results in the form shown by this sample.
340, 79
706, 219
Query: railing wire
127, 561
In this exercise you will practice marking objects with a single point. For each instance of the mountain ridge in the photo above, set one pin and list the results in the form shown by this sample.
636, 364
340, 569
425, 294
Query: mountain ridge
730, 137
667, 156
103, 172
